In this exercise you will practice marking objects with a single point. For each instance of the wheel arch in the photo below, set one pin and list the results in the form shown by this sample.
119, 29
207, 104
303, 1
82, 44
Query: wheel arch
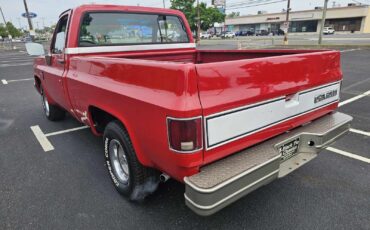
100, 118
37, 83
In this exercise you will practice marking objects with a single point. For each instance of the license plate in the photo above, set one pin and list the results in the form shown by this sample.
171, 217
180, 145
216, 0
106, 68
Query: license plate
289, 149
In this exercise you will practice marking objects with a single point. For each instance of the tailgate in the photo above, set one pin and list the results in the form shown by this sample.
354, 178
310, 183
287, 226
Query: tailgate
247, 101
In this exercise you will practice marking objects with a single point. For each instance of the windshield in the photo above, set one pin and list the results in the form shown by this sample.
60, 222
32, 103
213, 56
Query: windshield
112, 28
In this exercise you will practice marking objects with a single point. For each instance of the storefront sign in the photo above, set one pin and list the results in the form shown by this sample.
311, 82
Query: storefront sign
301, 16
29, 15
272, 18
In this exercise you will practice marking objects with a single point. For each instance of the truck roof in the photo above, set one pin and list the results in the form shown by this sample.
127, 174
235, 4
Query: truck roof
107, 7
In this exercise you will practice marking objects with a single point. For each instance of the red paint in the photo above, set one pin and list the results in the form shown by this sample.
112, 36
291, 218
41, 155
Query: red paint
143, 88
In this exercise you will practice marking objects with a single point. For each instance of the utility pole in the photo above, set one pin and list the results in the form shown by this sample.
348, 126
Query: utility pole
323, 20
27, 14
164, 4
198, 22
287, 23
224, 26
2, 14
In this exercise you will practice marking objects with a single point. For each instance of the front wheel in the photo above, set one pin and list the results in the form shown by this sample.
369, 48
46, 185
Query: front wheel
52, 112
128, 175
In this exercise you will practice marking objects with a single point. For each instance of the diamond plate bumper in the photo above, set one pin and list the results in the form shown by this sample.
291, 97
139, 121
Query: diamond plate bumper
225, 181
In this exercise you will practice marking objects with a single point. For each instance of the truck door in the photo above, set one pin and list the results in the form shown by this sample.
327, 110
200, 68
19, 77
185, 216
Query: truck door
53, 73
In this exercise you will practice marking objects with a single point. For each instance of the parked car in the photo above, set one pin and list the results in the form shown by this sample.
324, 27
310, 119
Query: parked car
217, 34
328, 30
248, 33
262, 33
27, 39
278, 32
228, 34
245, 33
205, 35
223, 122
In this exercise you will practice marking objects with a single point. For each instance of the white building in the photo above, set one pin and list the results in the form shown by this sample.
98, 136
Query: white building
352, 18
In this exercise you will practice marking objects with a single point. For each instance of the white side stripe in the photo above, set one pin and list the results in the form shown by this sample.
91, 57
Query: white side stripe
350, 155
231, 125
43, 140
360, 132
367, 93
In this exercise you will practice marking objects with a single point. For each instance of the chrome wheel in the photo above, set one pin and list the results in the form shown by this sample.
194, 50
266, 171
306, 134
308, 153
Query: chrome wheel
45, 103
119, 161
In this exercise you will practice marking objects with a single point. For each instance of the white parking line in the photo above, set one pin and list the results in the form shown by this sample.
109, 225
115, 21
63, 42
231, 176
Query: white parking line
360, 132
5, 82
66, 131
43, 140
24, 79
367, 93
348, 154
20, 64
350, 50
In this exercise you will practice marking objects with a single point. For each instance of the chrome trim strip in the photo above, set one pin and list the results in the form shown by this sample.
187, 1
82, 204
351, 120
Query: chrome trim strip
231, 195
320, 86
108, 49
244, 107
225, 183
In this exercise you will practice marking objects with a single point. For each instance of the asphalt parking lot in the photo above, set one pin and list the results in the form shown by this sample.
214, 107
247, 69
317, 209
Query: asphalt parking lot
68, 187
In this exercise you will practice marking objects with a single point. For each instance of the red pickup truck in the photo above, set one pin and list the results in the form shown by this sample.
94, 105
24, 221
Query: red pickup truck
224, 122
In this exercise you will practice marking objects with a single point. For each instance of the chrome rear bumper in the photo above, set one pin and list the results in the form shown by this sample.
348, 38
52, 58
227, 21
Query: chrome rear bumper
225, 181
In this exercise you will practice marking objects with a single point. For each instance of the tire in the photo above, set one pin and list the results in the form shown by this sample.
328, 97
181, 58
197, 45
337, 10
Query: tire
52, 112
129, 176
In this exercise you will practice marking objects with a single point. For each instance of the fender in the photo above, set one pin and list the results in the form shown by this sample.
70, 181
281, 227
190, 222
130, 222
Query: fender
140, 156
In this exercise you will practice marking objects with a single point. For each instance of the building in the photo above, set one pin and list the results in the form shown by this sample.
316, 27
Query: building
352, 18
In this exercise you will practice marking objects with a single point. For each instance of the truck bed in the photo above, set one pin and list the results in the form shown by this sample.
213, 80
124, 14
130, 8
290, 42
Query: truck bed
245, 97
211, 56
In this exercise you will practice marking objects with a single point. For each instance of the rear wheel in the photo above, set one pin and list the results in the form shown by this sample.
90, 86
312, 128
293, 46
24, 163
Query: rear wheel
128, 175
52, 112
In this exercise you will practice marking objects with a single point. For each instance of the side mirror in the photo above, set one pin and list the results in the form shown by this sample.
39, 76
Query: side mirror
35, 49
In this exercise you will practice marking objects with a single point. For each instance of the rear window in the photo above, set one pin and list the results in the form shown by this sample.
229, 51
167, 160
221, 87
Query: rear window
104, 29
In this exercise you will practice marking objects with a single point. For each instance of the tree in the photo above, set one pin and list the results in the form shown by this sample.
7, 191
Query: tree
233, 15
3, 31
208, 15
9, 29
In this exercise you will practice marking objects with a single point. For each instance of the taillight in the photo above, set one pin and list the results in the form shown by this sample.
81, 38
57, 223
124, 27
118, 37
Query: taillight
185, 135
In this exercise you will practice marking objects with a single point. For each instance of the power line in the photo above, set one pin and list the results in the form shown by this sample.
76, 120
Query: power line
260, 4
366, 4
248, 2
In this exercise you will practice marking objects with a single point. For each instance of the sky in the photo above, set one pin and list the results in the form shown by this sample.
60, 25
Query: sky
48, 10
